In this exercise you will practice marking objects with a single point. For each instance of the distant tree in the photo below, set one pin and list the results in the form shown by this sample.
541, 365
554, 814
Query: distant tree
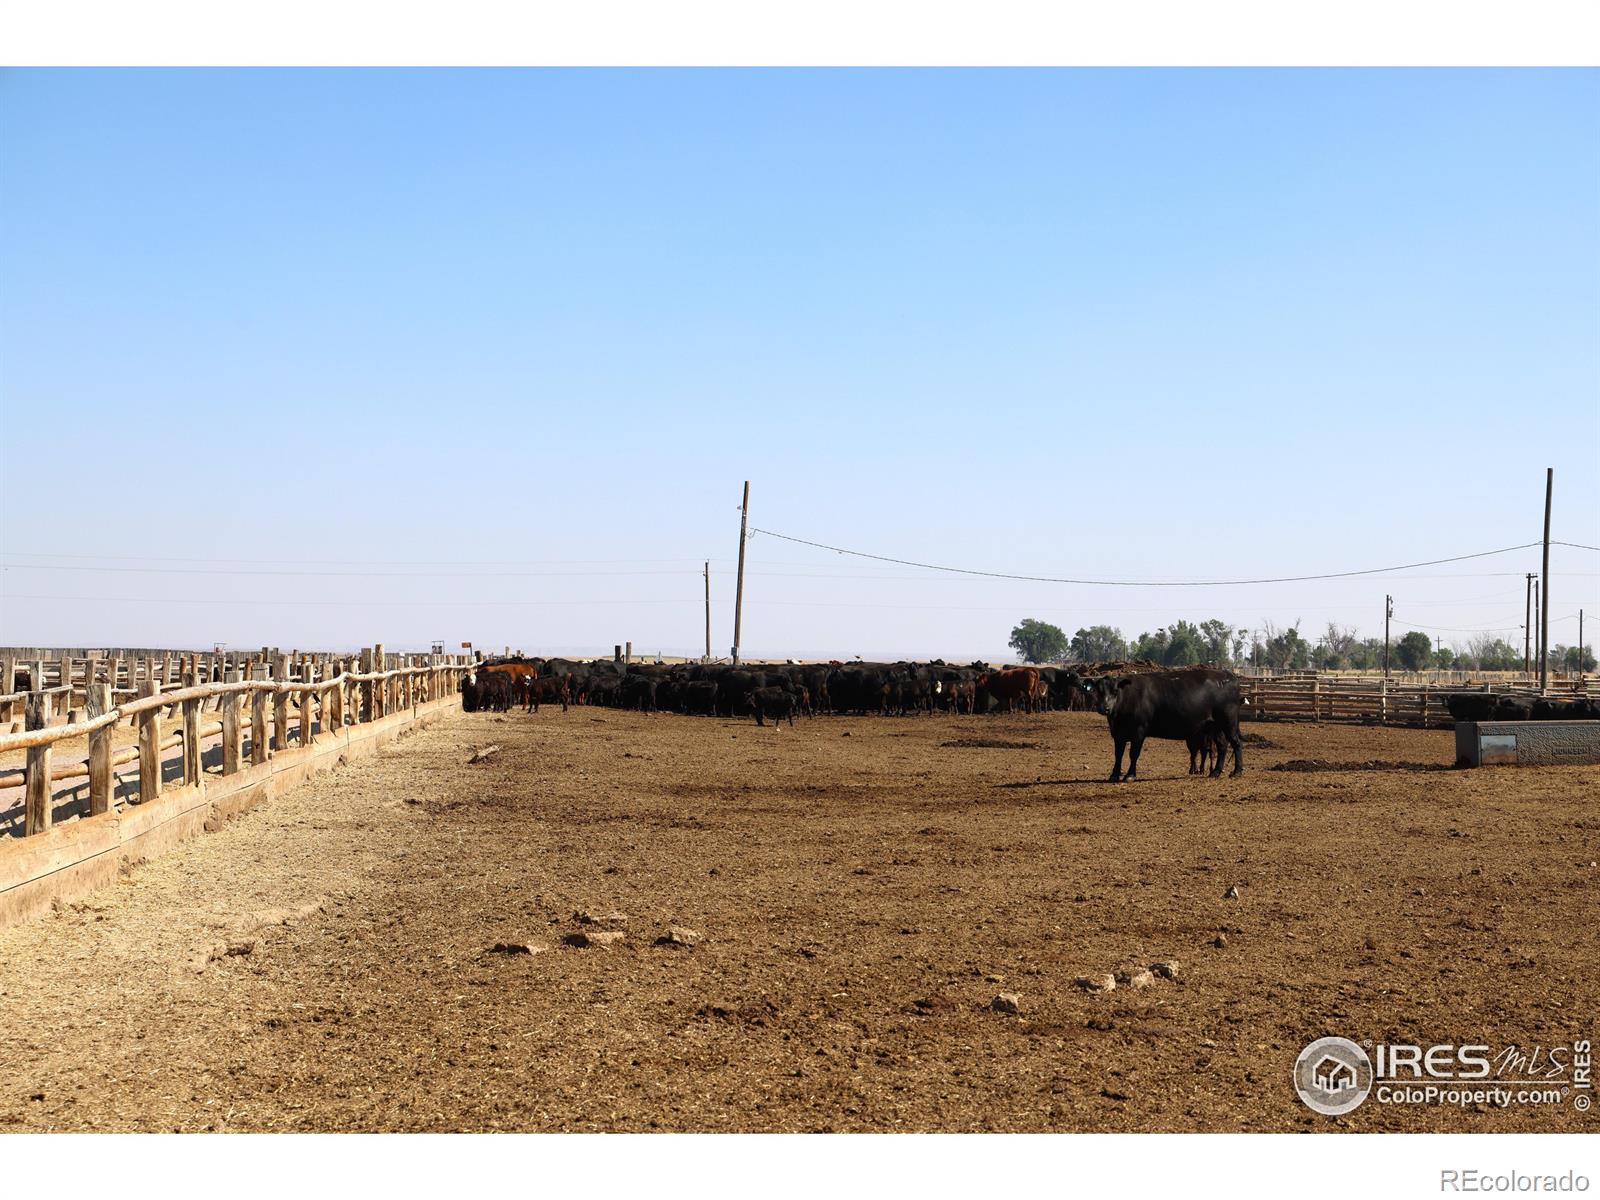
1333, 651
1488, 653
1414, 651
1152, 646
1444, 658
1216, 635
1186, 645
1038, 641
1240, 637
1366, 655
1284, 648
1569, 660
1101, 643
1326, 658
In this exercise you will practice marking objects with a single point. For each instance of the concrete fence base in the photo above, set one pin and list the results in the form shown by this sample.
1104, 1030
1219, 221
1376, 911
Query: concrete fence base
69, 861
1527, 743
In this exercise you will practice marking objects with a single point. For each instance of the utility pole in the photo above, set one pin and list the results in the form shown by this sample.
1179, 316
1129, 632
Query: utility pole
1544, 614
1527, 628
1388, 611
738, 589
1580, 644
708, 611
1535, 616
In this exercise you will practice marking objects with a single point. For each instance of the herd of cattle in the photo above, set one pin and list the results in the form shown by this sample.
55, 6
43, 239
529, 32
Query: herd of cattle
1199, 706
773, 692
1488, 706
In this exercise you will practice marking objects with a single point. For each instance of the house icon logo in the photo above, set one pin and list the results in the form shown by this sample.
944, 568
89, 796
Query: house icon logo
1333, 1076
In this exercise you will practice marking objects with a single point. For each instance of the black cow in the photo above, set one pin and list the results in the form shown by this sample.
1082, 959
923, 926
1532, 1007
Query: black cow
1170, 704
544, 690
1471, 706
604, 690
1205, 746
493, 691
639, 692
699, 696
1513, 708
773, 702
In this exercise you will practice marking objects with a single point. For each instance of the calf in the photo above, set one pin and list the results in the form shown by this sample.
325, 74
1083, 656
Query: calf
1203, 747
773, 702
547, 689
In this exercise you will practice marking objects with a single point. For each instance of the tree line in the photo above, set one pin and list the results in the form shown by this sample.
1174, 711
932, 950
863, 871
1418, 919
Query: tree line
1185, 644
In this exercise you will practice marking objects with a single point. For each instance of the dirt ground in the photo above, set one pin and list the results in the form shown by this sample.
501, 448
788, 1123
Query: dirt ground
861, 889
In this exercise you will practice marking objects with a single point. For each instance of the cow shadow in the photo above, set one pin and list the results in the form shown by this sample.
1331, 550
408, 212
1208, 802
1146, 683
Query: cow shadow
1034, 783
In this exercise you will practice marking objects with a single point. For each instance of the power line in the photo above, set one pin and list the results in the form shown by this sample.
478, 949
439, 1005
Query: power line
1477, 628
1156, 582
347, 603
358, 562
332, 574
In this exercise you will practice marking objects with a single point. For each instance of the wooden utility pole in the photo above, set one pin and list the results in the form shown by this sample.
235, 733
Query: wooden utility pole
1388, 611
708, 611
1580, 644
1535, 617
738, 590
1544, 614
1527, 627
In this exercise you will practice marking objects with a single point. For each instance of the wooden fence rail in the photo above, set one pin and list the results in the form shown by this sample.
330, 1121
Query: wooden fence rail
1358, 701
341, 696
67, 679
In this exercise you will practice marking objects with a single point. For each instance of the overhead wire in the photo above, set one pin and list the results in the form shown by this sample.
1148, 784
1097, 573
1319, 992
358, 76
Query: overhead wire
1084, 582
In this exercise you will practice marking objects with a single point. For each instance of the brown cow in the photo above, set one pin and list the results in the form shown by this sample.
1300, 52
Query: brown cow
1011, 687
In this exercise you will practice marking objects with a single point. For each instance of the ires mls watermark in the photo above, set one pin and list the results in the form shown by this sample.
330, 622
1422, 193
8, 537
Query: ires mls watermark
1335, 1075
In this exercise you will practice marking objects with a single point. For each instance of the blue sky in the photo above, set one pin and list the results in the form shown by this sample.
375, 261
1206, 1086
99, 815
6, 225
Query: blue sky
510, 340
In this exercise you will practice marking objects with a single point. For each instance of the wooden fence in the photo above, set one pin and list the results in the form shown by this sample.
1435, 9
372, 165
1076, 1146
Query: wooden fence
66, 676
340, 691
1361, 701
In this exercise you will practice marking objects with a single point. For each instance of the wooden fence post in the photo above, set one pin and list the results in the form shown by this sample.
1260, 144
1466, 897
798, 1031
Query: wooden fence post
192, 762
259, 749
307, 701
364, 710
133, 681
37, 815
333, 703
280, 705
230, 732
100, 783
172, 672
149, 745
381, 692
